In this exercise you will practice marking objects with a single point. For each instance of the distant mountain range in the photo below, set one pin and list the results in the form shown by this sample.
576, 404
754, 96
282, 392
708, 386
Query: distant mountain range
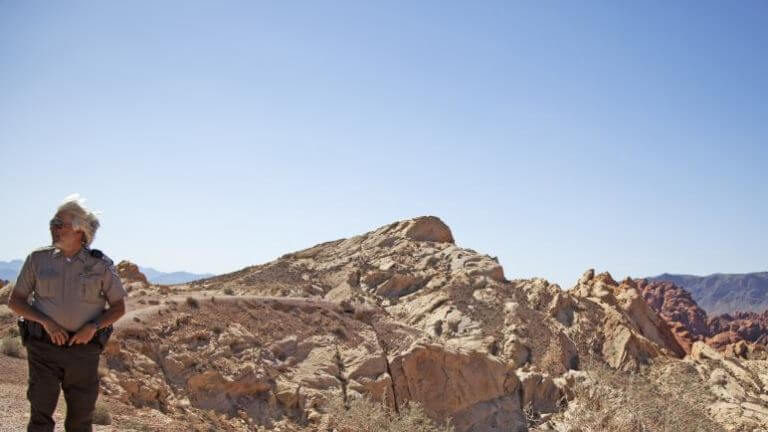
9, 270
724, 293
158, 277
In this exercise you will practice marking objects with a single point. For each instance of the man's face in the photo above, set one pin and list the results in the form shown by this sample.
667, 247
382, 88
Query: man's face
62, 234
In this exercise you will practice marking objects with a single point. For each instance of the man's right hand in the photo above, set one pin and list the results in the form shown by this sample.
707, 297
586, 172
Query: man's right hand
58, 335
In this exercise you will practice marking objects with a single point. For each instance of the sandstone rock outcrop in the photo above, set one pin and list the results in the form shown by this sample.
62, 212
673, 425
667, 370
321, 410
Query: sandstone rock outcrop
633, 332
398, 314
132, 278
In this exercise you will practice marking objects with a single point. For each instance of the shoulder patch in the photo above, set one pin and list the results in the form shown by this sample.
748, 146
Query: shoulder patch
99, 255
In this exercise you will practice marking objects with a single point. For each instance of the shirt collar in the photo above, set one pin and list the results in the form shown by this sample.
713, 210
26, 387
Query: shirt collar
81, 254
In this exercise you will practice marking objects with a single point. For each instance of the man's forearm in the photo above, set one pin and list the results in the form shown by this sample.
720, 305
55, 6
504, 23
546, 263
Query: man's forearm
110, 315
23, 309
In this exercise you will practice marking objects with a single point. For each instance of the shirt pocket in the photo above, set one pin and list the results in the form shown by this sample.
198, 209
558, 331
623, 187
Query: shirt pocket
90, 287
46, 287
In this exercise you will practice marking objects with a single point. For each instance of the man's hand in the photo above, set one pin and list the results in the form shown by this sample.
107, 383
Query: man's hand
84, 335
57, 334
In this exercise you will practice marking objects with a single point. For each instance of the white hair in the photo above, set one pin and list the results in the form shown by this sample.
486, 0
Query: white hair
83, 219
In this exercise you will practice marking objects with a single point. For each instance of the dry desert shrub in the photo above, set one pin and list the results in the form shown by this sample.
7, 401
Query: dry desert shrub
5, 293
101, 415
672, 398
5, 313
365, 415
13, 331
193, 302
12, 347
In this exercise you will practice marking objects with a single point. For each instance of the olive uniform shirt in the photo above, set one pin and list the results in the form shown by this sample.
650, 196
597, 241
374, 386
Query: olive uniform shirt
70, 291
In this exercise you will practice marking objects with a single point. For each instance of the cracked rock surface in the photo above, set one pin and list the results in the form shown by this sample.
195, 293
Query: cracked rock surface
398, 314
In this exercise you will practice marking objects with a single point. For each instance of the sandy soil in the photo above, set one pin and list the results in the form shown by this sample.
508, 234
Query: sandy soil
13, 398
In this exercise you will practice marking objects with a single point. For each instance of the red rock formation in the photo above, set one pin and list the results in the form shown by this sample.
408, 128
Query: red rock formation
740, 326
676, 306
689, 322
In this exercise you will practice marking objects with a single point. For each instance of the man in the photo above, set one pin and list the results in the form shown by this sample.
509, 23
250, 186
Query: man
65, 325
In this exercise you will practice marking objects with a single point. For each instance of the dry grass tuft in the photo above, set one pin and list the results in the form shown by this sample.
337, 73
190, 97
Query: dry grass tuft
672, 398
193, 303
365, 415
5, 313
12, 347
101, 415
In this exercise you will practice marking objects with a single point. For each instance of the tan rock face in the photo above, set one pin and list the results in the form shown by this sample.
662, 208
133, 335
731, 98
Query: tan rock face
132, 278
428, 228
633, 333
398, 314
452, 383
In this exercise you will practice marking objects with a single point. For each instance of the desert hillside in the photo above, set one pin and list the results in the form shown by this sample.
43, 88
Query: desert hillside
402, 323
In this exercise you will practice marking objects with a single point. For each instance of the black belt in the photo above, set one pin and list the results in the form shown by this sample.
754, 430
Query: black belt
35, 331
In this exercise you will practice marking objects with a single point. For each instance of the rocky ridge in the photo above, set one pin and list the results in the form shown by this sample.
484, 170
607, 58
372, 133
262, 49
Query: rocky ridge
402, 314
397, 314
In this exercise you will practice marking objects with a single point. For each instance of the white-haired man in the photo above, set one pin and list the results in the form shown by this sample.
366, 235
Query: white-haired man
61, 295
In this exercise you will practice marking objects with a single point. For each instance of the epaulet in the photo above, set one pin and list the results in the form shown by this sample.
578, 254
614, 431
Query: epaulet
100, 255
44, 249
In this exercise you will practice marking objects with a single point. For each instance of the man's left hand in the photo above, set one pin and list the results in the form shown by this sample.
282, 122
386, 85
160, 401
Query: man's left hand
84, 335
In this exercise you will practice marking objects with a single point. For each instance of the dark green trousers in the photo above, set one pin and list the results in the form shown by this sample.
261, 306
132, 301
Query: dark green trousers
72, 369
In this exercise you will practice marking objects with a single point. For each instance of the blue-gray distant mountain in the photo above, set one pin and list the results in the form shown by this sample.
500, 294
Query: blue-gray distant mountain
9, 270
724, 293
158, 277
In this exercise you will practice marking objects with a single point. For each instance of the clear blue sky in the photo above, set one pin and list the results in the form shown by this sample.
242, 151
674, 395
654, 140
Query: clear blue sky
631, 137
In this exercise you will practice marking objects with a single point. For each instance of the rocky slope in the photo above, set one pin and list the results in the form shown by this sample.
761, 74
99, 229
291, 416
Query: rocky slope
724, 293
398, 314
402, 314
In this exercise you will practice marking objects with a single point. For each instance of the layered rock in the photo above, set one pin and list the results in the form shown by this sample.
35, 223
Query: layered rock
131, 276
634, 333
733, 328
676, 306
398, 314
